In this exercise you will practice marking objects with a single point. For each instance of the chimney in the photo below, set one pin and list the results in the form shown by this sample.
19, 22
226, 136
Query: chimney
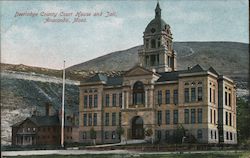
48, 109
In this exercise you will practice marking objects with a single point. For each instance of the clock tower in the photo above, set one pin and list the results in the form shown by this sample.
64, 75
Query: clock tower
157, 52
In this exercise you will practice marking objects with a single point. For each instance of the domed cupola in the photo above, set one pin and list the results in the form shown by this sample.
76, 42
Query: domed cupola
158, 52
157, 24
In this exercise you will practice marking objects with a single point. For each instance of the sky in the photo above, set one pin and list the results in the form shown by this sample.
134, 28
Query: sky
33, 41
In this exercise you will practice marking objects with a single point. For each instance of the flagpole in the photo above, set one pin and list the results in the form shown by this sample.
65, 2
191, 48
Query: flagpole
62, 127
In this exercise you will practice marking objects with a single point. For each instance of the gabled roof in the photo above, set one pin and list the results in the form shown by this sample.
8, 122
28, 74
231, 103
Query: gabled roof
114, 81
196, 68
44, 121
211, 69
97, 78
139, 70
174, 75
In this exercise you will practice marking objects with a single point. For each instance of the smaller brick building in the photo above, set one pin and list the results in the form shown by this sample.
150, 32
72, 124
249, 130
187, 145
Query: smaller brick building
42, 130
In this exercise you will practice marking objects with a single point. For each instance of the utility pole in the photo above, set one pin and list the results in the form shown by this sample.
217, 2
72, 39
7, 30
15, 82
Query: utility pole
62, 127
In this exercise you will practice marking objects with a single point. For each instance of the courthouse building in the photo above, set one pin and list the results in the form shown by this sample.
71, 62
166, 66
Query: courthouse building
155, 95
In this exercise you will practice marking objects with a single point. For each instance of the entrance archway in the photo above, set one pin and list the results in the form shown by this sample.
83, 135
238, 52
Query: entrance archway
137, 128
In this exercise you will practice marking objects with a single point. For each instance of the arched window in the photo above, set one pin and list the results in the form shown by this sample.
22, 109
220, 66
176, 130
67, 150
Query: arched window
153, 43
138, 93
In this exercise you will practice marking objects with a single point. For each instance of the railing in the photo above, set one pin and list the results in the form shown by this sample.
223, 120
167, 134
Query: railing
136, 106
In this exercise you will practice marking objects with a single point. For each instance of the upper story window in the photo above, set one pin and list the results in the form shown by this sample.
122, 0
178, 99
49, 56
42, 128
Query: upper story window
167, 97
153, 45
114, 99
146, 43
85, 104
176, 96
199, 93
107, 100
159, 42
186, 93
159, 97
95, 100
138, 93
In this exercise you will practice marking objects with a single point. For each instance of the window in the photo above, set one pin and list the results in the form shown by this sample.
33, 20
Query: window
153, 43
231, 136
167, 116
167, 135
229, 99
226, 118
113, 135
113, 119
147, 60
225, 98
169, 61
114, 100
138, 93
159, 42
186, 92
199, 93
215, 135
230, 119
107, 100
175, 96
95, 119
147, 43
167, 96
106, 119
106, 135
175, 116
186, 118
199, 134
199, 115
159, 97
85, 101
211, 134
214, 117
227, 136
193, 94
120, 118
210, 95
159, 117
211, 116
152, 60
90, 119
214, 94
159, 135
84, 119
95, 100
120, 99
90, 101
192, 116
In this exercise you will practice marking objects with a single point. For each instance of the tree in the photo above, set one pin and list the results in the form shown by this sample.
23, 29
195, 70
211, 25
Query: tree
179, 134
93, 135
243, 119
148, 132
120, 131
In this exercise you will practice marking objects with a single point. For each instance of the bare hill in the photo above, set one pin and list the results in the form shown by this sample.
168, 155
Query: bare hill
228, 58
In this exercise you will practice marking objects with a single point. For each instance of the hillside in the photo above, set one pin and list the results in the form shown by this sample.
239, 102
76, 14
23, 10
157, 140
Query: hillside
25, 88
228, 58
22, 93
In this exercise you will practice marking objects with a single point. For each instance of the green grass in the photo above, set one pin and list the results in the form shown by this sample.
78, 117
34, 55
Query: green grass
179, 155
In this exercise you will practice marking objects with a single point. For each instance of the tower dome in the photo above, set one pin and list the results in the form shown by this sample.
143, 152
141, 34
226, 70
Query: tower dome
157, 53
157, 24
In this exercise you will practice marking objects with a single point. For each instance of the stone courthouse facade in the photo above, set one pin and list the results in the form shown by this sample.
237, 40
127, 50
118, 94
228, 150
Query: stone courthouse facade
154, 95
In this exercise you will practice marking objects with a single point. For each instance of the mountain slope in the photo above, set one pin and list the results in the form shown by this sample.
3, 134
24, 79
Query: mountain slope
228, 58
22, 93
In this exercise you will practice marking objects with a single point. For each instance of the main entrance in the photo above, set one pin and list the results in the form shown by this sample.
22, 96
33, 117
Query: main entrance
137, 128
